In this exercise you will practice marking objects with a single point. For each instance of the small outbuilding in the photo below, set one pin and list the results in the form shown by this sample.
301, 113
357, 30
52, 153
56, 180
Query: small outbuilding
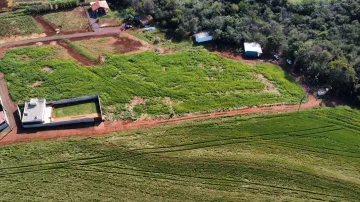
145, 20
100, 7
203, 37
252, 49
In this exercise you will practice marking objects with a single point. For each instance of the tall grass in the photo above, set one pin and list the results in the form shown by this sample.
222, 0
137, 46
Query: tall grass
195, 80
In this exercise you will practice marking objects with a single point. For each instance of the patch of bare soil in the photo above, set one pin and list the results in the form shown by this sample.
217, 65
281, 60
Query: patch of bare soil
49, 28
126, 45
77, 56
269, 87
109, 23
37, 83
169, 102
47, 70
135, 101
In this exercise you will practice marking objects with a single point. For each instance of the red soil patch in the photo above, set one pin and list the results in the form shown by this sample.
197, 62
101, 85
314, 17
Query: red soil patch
122, 44
49, 28
3, 4
80, 58
109, 23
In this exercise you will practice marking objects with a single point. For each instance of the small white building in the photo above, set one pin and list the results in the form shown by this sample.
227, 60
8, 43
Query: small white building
34, 111
203, 37
252, 49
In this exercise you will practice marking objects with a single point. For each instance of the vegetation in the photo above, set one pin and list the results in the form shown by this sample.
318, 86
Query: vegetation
74, 20
78, 48
194, 80
77, 109
314, 34
307, 156
19, 25
162, 38
52, 5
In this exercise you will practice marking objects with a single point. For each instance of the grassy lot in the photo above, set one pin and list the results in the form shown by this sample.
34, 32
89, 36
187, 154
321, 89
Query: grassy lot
20, 25
74, 110
73, 20
166, 41
96, 47
307, 156
194, 80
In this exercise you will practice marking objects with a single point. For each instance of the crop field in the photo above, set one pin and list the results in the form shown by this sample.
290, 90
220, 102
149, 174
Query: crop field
19, 25
67, 21
308, 156
74, 110
188, 81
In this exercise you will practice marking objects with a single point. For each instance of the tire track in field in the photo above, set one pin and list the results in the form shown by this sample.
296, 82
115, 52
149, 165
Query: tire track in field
165, 147
141, 152
201, 180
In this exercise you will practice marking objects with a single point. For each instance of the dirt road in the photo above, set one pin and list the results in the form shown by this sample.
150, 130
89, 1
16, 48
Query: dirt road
18, 135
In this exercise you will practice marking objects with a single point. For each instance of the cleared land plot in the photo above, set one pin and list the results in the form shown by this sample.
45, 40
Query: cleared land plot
69, 21
163, 40
20, 25
105, 46
75, 110
194, 81
308, 156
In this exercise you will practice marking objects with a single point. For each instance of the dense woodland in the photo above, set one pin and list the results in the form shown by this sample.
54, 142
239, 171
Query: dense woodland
321, 37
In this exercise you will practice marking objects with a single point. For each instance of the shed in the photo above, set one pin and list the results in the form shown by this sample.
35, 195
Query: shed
252, 49
100, 7
203, 37
145, 20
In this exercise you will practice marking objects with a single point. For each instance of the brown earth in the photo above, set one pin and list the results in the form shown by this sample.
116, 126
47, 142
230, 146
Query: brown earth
77, 56
109, 23
49, 28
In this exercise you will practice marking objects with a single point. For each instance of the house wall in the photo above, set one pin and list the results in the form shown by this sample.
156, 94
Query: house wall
251, 53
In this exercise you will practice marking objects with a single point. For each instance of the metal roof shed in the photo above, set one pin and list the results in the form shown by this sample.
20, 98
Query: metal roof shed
252, 49
203, 37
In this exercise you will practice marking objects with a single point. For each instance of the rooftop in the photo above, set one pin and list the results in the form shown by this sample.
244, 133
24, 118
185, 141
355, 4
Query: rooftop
203, 36
34, 110
252, 46
99, 4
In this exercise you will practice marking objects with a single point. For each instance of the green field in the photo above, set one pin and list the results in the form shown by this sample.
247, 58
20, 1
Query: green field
166, 41
194, 80
20, 25
74, 110
308, 156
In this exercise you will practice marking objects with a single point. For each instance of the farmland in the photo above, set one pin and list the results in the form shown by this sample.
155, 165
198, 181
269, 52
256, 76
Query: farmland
68, 21
19, 25
188, 81
308, 156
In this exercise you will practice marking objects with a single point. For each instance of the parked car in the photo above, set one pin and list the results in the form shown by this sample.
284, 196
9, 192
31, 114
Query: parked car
127, 26
289, 61
276, 57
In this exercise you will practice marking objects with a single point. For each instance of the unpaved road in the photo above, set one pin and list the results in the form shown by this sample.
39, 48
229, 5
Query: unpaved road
18, 135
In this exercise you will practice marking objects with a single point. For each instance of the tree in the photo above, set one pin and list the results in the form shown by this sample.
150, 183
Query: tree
149, 6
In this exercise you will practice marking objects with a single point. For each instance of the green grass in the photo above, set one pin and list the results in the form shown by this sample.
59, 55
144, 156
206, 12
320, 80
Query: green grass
75, 110
194, 80
166, 41
20, 25
308, 156
80, 49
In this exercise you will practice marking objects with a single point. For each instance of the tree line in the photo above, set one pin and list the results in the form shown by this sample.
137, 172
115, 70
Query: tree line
321, 37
